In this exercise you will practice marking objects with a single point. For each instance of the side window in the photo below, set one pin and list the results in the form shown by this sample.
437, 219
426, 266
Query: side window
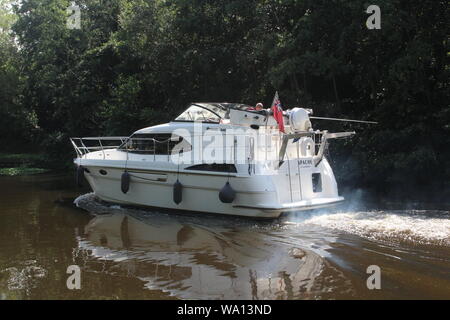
154, 144
219, 167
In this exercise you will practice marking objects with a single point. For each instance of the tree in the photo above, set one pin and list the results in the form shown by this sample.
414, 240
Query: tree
15, 123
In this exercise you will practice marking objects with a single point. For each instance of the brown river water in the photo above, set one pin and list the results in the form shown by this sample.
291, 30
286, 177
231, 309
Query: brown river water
126, 253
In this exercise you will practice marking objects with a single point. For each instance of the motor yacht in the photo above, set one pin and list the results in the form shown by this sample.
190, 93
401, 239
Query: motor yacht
224, 158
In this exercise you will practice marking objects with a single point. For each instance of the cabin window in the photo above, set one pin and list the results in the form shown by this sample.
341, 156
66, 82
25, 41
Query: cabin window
316, 182
155, 144
218, 167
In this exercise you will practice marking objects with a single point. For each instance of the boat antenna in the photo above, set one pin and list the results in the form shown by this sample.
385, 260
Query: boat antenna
344, 120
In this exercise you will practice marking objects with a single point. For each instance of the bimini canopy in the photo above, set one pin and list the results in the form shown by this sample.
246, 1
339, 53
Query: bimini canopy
209, 111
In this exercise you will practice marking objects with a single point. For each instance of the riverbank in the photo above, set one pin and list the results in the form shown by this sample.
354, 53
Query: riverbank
14, 164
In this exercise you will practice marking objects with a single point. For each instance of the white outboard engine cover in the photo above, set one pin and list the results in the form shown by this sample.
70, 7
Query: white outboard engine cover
299, 120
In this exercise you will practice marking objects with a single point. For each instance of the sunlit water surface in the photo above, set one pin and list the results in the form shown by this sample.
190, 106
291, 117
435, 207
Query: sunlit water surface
129, 253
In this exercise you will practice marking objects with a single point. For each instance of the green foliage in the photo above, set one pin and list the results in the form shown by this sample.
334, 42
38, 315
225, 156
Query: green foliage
21, 171
15, 123
138, 63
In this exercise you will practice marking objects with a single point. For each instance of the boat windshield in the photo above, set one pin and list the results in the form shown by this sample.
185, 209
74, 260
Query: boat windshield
203, 112
210, 111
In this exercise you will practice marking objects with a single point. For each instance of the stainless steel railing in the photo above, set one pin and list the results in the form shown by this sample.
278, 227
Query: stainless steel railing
86, 145
83, 146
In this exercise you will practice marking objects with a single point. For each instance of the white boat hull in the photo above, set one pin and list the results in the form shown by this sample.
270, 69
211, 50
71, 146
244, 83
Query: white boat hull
262, 196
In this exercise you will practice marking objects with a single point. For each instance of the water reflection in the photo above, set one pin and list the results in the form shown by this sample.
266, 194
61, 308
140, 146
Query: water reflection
192, 260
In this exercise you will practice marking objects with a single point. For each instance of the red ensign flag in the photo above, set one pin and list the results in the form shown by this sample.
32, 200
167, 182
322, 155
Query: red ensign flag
278, 112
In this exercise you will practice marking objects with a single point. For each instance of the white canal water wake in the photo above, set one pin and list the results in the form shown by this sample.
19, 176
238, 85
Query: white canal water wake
418, 226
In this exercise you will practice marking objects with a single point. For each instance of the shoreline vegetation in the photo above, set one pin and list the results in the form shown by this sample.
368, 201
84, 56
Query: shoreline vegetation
15, 164
21, 171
